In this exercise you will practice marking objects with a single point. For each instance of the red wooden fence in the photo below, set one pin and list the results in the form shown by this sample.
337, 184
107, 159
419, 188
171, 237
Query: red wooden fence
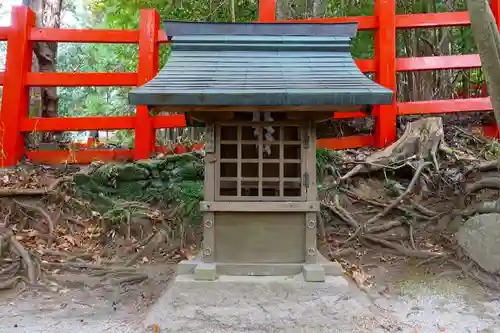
17, 78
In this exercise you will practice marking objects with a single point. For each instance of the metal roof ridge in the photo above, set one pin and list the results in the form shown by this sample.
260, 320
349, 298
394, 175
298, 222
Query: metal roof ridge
184, 28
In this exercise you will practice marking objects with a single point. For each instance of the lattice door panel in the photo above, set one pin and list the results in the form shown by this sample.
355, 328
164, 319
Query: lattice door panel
259, 162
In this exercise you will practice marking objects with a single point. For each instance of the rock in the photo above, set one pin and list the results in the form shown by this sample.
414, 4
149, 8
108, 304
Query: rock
479, 238
133, 190
106, 175
131, 172
81, 178
153, 164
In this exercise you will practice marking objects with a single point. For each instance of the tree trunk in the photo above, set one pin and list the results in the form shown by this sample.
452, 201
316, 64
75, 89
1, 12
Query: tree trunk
319, 8
282, 10
487, 38
48, 15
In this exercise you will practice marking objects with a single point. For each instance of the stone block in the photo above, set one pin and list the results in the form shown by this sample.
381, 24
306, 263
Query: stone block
479, 238
187, 266
313, 273
205, 272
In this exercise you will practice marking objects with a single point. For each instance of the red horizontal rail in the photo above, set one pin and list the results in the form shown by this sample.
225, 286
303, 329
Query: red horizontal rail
2, 75
438, 63
349, 115
81, 79
169, 121
346, 142
77, 124
426, 63
37, 124
408, 21
84, 36
86, 156
364, 22
445, 106
432, 20
78, 156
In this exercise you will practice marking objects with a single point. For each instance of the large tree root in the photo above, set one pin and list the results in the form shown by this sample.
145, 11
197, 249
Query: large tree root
397, 201
485, 183
417, 148
401, 249
41, 211
12, 272
421, 140
14, 192
24, 254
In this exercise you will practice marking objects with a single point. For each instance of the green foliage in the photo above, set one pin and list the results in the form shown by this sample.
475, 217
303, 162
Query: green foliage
175, 181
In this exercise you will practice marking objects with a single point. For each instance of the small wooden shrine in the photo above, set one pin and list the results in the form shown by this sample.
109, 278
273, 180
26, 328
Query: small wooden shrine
259, 89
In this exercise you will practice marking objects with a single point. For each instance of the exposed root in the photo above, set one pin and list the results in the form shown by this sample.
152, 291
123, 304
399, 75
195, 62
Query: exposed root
383, 227
421, 140
136, 278
482, 208
24, 254
351, 220
376, 203
42, 212
401, 249
159, 238
14, 192
398, 200
10, 270
321, 226
11, 283
485, 183
483, 167
84, 265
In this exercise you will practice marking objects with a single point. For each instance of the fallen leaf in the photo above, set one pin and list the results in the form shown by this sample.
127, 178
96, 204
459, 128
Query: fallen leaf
32, 233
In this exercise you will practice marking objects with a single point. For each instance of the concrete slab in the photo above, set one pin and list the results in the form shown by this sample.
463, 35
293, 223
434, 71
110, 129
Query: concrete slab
262, 304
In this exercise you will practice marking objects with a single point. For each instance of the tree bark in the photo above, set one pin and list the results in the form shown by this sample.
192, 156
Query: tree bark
48, 15
487, 38
283, 11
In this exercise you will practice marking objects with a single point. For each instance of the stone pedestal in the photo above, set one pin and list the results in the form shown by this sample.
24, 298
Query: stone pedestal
261, 304
211, 271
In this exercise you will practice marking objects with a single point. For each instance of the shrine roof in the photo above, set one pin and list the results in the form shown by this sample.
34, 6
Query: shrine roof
250, 64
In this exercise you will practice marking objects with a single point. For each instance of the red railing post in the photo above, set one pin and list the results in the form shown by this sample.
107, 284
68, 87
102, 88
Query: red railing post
15, 104
267, 11
147, 69
385, 61
495, 8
